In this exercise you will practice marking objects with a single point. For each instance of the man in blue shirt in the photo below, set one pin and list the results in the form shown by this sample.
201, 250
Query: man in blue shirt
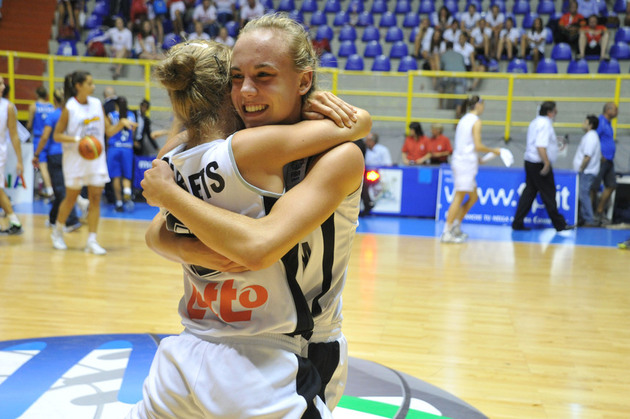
607, 167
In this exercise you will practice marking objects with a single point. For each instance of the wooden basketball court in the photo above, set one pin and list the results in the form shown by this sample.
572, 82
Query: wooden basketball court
518, 330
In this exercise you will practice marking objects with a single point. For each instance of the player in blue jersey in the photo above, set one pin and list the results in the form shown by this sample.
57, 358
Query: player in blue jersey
37, 112
120, 155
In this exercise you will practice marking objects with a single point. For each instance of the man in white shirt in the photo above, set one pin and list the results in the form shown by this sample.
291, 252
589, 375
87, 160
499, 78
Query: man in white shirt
206, 13
586, 162
540, 153
376, 154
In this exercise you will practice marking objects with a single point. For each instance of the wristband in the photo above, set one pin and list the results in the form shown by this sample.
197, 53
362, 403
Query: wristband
77, 138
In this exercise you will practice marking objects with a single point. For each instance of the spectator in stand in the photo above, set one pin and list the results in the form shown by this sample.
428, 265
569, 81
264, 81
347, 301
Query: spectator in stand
206, 14
376, 154
121, 46
442, 18
586, 162
69, 10
120, 8
496, 21
439, 146
588, 7
469, 20
156, 21
145, 46
626, 19
198, 33
451, 34
224, 37
569, 26
508, 40
593, 39
250, 10
423, 40
414, 150
466, 49
138, 13
453, 61
480, 38
533, 42
177, 10
226, 10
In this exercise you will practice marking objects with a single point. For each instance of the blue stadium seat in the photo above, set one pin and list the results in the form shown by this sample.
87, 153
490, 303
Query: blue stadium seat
365, 19
286, 5
381, 63
561, 51
355, 6
93, 22
546, 7
341, 18
379, 7
619, 6
394, 34
67, 48
346, 49
324, 32
332, 6
373, 49
170, 40
549, 36
388, 19
402, 7
517, 65
232, 28
308, 6
297, 16
578, 67
528, 20
426, 7
620, 51
547, 66
609, 67
407, 63
411, 20
267, 4
603, 9
477, 4
399, 49
413, 34
521, 7
371, 33
354, 63
328, 59
452, 6
499, 3
319, 18
348, 33
623, 34
101, 9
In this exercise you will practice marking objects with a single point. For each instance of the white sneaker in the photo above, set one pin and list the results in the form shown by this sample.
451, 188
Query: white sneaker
94, 248
57, 240
457, 231
449, 237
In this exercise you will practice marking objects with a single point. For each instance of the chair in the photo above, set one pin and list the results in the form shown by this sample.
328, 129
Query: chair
388, 19
546, 7
309, 6
286, 5
603, 9
411, 20
413, 34
521, 7
399, 49
517, 65
426, 7
341, 18
328, 59
170, 40
354, 63
549, 36
371, 33
373, 49
267, 4
609, 67
528, 20
93, 22
620, 51
578, 67
347, 33
499, 3
232, 28
561, 51
319, 18
365, 19
379, 7
324, 32
619, 6
402, 7
297, 16
346, 49
477, 4
394, 34
547, 66
623, 34
67, 48
101, 9
332, 6
355, 6
381, 63
407, 63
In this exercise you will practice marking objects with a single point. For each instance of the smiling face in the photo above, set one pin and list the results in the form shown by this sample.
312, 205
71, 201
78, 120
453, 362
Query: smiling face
266, 88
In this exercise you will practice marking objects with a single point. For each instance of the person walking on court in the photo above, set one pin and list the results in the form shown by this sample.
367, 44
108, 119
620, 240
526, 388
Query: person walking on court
37, 112
607, 168
540, 153
8, 126
82, 115
465, 164
586, 163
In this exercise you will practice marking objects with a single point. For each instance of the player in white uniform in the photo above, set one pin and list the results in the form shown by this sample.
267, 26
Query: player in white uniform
8, 126
464, 164
262, 314
82, 115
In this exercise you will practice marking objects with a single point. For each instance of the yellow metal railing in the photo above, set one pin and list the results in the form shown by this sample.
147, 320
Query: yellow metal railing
410, 93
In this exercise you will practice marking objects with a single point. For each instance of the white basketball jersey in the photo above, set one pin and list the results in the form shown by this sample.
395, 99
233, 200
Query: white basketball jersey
4, 132
464, 142
217, 304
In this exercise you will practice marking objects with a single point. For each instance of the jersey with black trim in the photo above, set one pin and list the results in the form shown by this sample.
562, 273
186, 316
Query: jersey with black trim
217, 304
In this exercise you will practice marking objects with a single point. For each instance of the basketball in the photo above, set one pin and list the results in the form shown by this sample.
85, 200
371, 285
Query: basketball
90, 148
